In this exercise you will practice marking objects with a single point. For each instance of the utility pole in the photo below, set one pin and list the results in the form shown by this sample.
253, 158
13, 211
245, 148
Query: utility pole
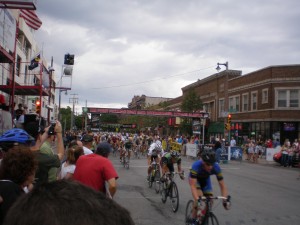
85, 116
73, 100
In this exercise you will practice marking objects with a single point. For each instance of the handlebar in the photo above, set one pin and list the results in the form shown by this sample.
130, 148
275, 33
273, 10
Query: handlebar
214, 197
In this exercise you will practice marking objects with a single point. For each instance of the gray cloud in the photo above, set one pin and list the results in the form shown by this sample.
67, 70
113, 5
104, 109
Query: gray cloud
123, 42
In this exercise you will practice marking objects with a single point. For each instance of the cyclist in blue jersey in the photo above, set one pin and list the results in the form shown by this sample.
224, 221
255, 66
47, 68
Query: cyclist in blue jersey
199, 178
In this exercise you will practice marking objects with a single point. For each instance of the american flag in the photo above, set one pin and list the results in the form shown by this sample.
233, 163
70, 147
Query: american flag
31, 19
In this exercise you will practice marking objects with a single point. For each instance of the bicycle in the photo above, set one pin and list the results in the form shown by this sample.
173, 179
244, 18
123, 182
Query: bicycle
136, 152
205, 215
125, 159
169, 189
154, 176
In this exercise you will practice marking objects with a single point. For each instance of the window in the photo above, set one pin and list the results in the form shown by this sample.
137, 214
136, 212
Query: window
245, 102
287, 98
264, 97
234, 104
221, 107
254, 100
18, 66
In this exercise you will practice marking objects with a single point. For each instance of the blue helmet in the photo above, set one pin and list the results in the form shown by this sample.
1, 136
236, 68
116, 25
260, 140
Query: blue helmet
16, 135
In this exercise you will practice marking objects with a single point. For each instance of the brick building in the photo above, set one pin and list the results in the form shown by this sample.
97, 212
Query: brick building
263, 104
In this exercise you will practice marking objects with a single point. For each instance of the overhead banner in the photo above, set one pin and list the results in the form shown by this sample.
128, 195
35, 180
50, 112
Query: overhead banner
147, 112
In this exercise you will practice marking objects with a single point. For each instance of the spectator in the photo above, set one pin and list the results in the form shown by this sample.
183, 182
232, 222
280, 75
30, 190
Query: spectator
86, 207
251, 149
17, 171
19, 111
94, 170
218, 149
285, 151
46, 148
232, 142
87, 141
45, 161
68, 167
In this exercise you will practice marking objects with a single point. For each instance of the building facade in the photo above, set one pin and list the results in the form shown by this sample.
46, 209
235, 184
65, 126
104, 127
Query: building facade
19, 82
263, 104
143, 101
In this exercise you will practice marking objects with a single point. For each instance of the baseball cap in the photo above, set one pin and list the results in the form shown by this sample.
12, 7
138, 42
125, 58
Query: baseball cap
87, 138
104, 148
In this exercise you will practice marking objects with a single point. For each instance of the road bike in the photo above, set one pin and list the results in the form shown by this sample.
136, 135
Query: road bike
154, 176
136, 152
169, 189
205, 215
125, 159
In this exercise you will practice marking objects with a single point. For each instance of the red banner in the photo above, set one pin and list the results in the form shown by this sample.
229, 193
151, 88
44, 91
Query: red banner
147, 112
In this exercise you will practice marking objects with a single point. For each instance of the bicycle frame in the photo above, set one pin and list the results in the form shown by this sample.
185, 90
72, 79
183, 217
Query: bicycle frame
204, 219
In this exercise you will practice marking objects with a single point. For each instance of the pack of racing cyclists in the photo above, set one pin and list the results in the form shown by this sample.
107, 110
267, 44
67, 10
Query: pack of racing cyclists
199, 174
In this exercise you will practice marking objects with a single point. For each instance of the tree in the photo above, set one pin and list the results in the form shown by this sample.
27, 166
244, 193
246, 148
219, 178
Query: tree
191, 103
66, 117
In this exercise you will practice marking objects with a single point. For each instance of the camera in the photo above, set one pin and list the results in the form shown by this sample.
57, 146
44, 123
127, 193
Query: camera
51, 130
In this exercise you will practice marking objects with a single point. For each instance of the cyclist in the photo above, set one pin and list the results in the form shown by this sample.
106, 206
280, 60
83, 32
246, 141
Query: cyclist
200, 182
154, 153
127, 148
167, 163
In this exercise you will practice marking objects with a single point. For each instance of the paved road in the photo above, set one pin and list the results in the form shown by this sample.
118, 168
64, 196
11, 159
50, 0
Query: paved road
263, 194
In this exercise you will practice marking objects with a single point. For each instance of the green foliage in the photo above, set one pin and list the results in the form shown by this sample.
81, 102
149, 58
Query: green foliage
109, 118
191, 102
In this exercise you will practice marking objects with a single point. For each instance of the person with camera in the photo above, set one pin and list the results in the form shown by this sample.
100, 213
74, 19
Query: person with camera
46, 148
45, 161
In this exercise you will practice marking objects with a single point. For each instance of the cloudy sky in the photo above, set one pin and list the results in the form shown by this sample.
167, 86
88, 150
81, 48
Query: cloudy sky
124, 48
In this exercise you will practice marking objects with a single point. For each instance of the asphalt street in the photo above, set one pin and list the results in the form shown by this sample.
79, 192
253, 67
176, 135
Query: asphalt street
262, 194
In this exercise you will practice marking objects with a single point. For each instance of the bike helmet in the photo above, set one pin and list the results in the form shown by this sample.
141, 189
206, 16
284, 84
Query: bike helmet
208, 156
13, 137
16, 135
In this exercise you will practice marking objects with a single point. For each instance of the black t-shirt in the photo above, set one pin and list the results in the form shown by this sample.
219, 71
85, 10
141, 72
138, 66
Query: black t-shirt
10, 192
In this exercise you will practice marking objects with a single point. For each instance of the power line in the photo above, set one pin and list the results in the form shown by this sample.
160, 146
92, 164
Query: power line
148, 81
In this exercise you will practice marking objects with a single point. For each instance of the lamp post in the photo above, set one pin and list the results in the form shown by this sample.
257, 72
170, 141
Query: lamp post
221, 64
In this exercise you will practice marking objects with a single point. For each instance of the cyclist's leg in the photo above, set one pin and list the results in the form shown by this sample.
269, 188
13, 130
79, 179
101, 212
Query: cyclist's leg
149, 160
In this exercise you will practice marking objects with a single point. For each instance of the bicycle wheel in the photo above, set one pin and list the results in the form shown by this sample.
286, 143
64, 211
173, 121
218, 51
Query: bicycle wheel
174, 195
210, 219
157, 181
127, 162
150, 181
189, 212
163, 193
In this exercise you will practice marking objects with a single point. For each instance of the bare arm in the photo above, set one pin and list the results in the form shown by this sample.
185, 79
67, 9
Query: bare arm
112, 186
196, 193
60, 143
223, 188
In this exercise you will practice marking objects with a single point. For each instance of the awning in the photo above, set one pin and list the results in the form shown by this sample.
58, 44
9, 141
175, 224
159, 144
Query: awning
216, 127
24, 90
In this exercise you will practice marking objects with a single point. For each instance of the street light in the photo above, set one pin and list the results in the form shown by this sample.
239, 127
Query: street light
62, 89
222, 64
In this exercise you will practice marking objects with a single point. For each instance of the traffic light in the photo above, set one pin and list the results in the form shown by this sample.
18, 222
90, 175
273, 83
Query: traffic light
227, 126
38, 106
69, 59
229, 119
